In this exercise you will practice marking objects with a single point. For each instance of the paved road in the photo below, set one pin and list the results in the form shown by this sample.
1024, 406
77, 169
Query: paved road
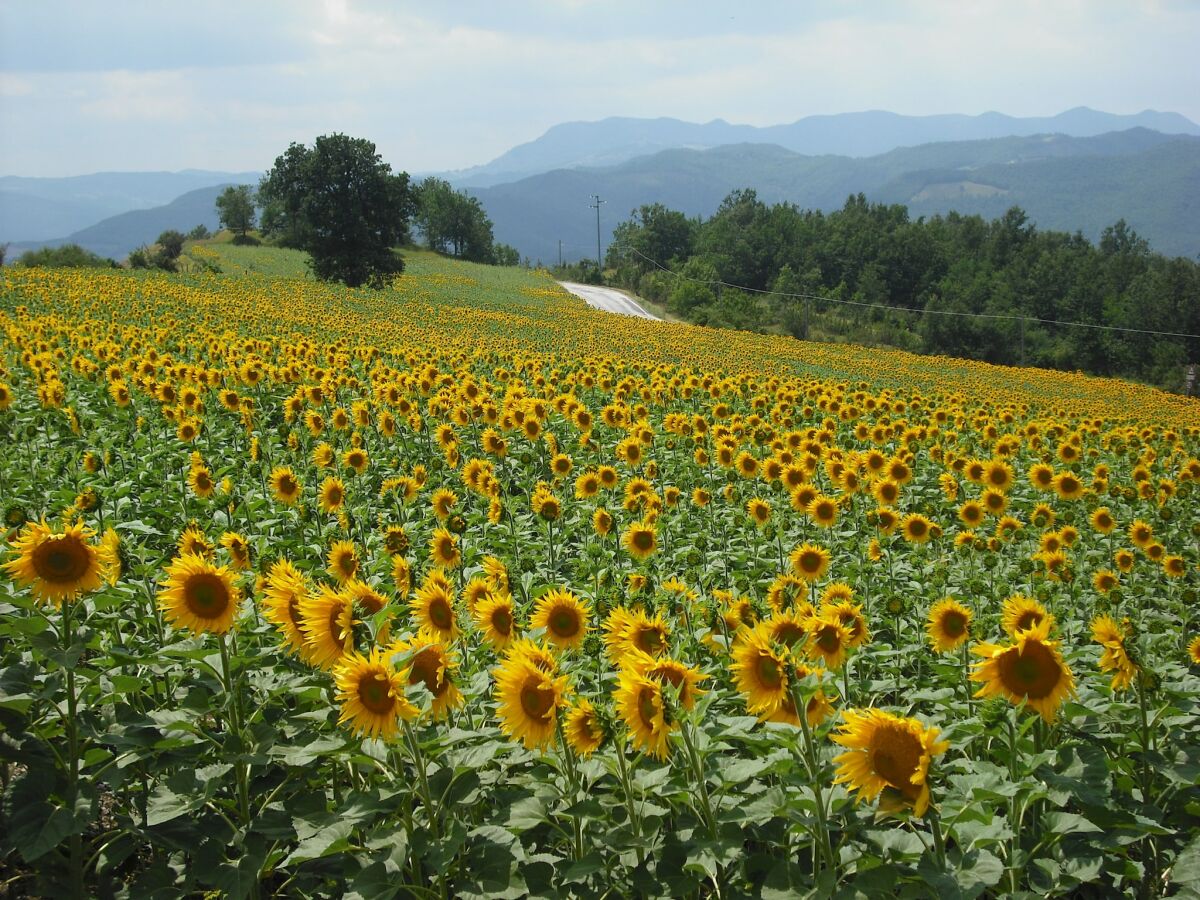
607, 299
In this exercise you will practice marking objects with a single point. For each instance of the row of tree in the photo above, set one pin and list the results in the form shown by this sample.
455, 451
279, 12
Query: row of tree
954, 285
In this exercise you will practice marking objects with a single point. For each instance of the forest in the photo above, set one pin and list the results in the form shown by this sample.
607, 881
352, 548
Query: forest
1001, 291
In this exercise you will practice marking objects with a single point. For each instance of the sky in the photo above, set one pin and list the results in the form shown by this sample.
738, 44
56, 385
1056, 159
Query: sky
140, 85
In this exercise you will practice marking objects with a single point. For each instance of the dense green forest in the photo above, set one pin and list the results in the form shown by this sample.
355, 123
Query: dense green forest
921, 272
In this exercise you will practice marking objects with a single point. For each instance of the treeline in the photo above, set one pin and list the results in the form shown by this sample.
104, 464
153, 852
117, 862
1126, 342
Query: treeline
921, 272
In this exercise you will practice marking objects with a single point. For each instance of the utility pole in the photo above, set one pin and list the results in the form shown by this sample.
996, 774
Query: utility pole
595, 204
560, 253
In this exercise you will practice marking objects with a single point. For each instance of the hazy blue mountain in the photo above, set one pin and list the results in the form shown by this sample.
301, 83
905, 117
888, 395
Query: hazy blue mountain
615, 140
117, 235
1150, 179
40, 209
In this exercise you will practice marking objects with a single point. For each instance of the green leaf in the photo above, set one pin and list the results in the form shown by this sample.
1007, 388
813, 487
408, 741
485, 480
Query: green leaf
1068, 823
333, 838
1186, 869
37, 828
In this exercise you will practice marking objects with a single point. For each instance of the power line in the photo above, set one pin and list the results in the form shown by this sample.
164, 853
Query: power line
884, 306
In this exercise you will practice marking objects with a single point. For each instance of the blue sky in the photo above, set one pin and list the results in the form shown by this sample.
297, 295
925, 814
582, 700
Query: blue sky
129, 85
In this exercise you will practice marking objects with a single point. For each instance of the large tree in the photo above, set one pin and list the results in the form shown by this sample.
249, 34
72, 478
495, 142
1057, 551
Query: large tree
235, 206
453, 221
339, 201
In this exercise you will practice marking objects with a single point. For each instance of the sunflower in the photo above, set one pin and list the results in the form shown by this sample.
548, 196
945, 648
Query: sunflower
286, 589
949, 625
1104, 580
371, 692
810, 562
640, 539
1114, 658
1123, 559
587, 486
200, 481
443, 502
1174, 566
285, 485
823, 511
1102, 520
885, 491
787, 627
916, 528
356, 459
401, 575
998, 474
828, 639
194, 541
56, 566
1068, 486
564, 617
327, 621
432, 609
342, 561
759, 511
602, 522
475, 592
760, 672
583, 728
496, 574
685, 679
643, 709
429, 662
109, 554
971, 513
1030, 670
541, 655
850, 615
527, 701
1041, 476
495, 616
887, 752
199, 596
332, 494
238, 549
1020, 613
443, 549
1194, 651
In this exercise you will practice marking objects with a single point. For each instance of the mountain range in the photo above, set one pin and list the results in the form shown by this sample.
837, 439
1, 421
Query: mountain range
1150, 179
616, 140
1080, 170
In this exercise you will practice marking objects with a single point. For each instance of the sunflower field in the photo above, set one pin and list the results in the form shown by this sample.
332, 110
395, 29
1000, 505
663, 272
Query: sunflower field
463, 589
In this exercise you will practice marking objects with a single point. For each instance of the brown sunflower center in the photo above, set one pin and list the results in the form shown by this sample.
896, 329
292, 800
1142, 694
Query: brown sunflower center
788, 633
810, 561
643, 540
207, 596
648, 639
564, 622
440, 614
648, 707
1028, 619
537, 700
828, 640
895, 756
954, 624
375, 693
427, 668
502, 621
61, 560
768, 672
1034, 673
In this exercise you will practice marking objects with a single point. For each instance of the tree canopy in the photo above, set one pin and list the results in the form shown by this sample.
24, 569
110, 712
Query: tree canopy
235, 206
453, 221
339, 201
955, 285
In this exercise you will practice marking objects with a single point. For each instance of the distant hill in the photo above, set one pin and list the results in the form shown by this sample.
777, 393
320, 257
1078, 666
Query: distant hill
42, 209
117, 235
616, 140
1152, 180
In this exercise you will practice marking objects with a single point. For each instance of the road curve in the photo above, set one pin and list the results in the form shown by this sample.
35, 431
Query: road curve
608, 300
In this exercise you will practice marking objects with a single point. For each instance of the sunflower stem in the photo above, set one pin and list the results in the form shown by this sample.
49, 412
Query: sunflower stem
693, 747
568, 758
824, 847
71, 726
939, 843
240, 768
627, 788
419, 761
